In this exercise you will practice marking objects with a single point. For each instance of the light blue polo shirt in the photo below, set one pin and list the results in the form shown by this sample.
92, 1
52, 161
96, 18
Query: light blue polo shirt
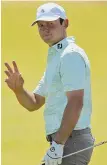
67, 69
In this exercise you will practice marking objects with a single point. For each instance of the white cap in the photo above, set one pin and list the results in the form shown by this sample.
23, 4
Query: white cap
49, 12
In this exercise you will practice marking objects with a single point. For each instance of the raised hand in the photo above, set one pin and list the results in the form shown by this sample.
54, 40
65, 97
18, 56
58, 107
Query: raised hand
14, 79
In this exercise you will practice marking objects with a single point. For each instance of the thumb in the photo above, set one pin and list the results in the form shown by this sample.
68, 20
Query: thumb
43, 159
20, 77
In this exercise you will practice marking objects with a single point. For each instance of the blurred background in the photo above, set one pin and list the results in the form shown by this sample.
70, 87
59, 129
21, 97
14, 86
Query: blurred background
23, 133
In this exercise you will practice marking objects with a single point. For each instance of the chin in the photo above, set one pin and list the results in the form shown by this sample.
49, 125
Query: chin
48, 41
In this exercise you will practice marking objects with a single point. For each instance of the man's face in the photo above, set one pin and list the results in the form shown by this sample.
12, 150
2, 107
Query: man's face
51, 31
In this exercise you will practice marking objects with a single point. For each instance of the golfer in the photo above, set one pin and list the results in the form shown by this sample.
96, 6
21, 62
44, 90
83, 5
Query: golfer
64, 89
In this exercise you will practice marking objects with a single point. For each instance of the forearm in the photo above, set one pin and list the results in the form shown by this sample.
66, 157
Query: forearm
69, 120
26, 99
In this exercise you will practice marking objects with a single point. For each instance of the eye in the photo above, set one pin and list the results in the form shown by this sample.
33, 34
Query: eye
41, 25
51, 23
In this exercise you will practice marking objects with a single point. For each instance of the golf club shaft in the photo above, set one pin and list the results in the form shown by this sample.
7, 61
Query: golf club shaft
98, 144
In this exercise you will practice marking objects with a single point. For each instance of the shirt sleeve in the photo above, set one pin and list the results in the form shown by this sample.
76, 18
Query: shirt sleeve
40, 89
72, 71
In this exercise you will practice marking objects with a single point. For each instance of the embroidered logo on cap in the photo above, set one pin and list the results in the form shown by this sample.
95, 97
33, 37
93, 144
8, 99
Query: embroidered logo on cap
42, 11
59, 46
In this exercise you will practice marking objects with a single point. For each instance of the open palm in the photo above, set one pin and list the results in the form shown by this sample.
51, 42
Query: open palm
14, 79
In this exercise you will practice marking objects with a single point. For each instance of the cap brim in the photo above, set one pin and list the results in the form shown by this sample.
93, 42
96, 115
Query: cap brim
45, 18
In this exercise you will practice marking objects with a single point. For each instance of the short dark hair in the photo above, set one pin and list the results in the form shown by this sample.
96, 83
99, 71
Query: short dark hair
61, 20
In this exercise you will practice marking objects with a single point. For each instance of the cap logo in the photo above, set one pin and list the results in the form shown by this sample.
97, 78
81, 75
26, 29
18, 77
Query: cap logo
59, 46
42, 11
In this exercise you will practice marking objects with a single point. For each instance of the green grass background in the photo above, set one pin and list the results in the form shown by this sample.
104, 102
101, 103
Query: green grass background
23, 135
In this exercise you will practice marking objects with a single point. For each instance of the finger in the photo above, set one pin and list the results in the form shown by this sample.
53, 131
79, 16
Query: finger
8, 67
20, 75
7, 73
15, 67
47, 162
8, 83
59, 160
6, 80
50, 161
55, 162
46, 159
43, 159
43, 163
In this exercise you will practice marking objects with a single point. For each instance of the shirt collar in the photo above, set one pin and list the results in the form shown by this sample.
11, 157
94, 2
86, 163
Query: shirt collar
61, 45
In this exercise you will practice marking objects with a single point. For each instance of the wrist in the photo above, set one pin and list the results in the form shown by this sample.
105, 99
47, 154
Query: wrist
57, 145
59, 140
18, 91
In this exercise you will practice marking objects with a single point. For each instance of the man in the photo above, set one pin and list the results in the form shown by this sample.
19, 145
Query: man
64, 89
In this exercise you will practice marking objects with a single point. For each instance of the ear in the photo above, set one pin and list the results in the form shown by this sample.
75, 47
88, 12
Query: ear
66, 23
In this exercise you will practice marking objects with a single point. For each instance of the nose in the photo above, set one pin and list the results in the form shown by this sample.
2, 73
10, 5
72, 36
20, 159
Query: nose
46, 28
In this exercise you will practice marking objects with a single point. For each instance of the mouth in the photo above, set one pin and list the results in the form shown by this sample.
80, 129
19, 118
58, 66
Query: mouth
47, 36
